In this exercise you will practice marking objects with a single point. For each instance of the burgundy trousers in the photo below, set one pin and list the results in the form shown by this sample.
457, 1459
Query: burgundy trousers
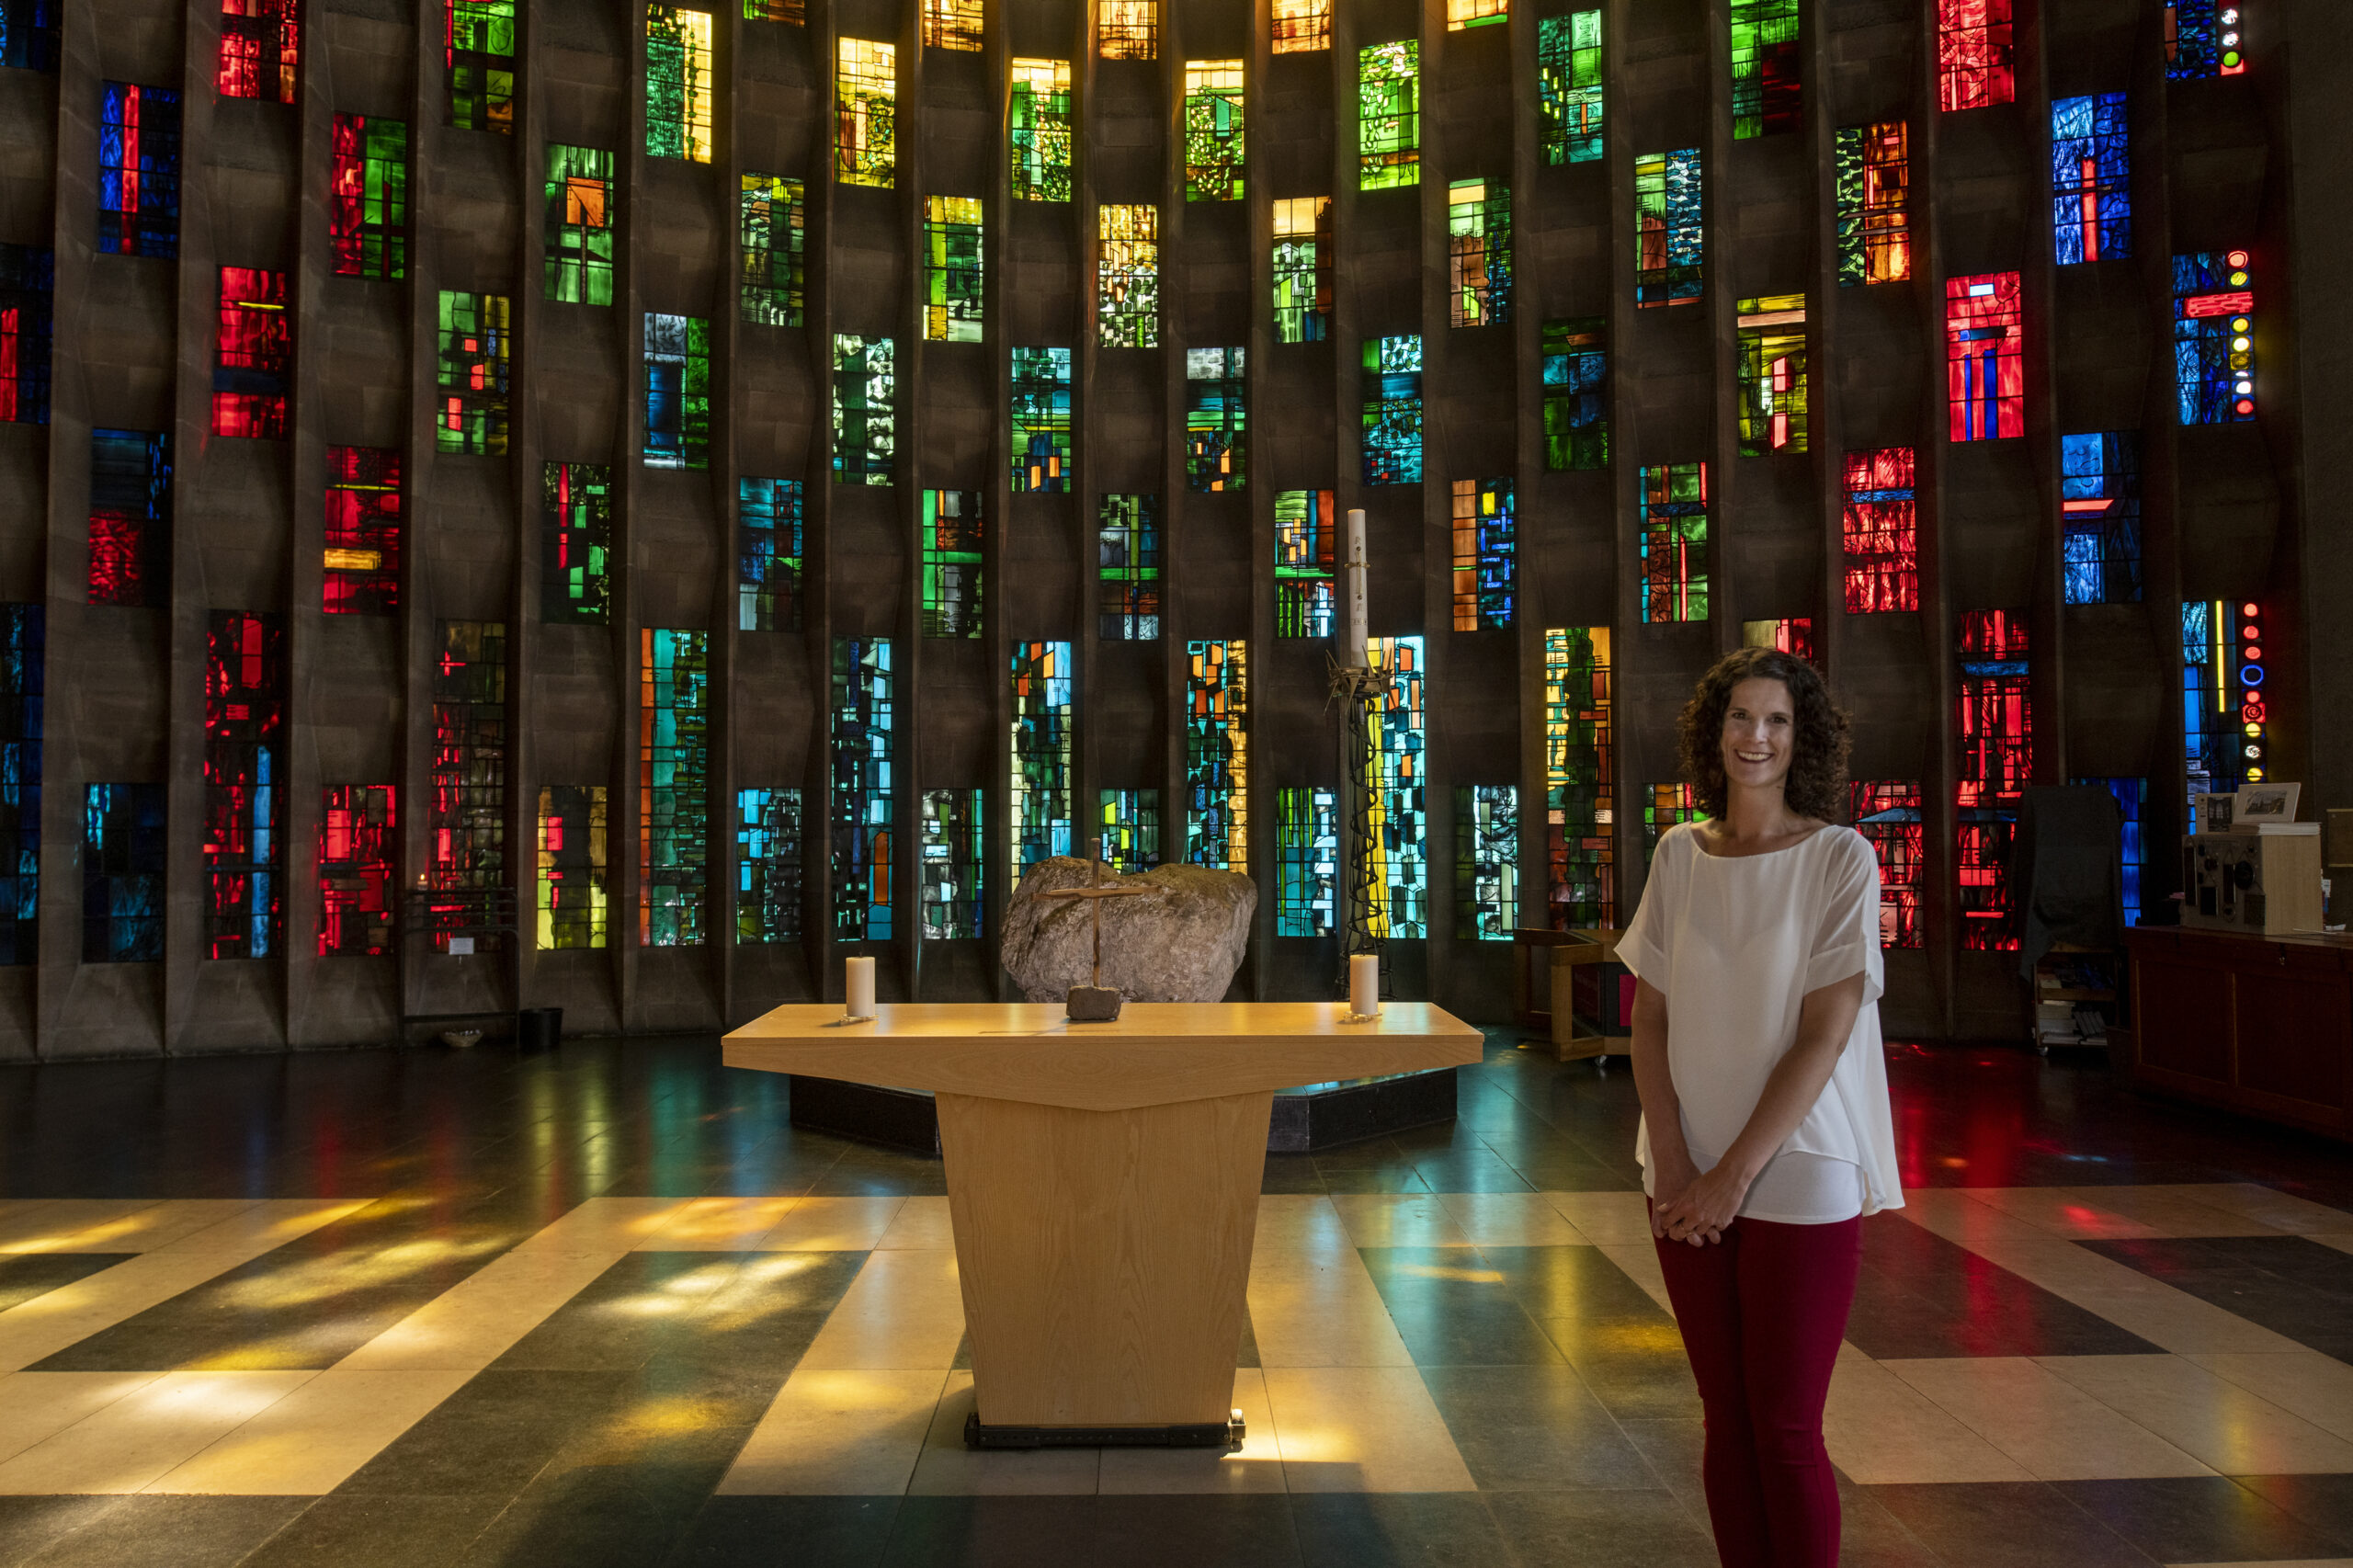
1762, 1312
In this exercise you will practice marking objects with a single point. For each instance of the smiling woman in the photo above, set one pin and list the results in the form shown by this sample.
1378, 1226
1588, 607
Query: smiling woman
1766, 1132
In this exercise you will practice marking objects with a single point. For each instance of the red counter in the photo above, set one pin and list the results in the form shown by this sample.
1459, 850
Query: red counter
2262, 1024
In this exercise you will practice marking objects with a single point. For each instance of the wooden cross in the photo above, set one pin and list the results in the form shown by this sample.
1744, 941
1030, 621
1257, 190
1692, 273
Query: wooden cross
1095, 891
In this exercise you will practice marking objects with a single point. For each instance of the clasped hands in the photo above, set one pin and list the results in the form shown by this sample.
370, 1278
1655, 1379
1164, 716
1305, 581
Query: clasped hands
1694, 1206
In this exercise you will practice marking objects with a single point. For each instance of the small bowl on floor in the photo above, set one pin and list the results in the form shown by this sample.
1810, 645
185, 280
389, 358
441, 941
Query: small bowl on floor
460, 1039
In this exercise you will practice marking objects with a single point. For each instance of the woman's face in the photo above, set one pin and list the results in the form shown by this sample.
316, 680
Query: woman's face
1760, 734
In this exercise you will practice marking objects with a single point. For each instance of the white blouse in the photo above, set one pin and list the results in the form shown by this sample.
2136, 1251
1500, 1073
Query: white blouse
1735, 943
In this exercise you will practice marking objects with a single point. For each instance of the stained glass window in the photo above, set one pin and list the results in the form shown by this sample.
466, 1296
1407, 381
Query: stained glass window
1674, 542
245, 723
1127, 277
1478, 228
865, 112
1041, 420
1216, 408
1985, 348
475, 343
1880, 525
261, 49
362, 574
139, 170
951, 269
1580, 851
2203, 39
1304, 568
2214, 336
1993, 769
1576, 393
767, 866
866, 391
2224, 711
1393, 410
1303, 269
130, 517
1127, 29
951, 563
1217, 755
253, 363
368, 197
23, 657
953, 24
1128, 545
1040, 137
1307, 862
2099, 502
465, 816
767, 539
1302, 26
1665, 806
2131, 797
1887, 814
580, 221
1974, 62
1398, 825
1874, 225
674, 786
1129, 842
1214, 133
795, 12
1389, 115
1461, 14
2091, 184
774, 222
1569, 85
947, 866
358, 864
679, 85
677, 391
122, 873
1668, 235
1484, 550
1772, 374
1765, 69
865, 715
28, 297
1486, 861
576, 544
29, 34
478, 40
574, 898
1041, 785
1792, 634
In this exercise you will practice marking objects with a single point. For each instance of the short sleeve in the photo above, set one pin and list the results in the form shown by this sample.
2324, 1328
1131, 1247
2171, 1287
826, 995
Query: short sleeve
1643, 947
1847, 941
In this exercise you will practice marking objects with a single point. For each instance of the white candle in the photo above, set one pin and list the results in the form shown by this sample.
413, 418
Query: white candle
1364, 983
857, 981
1354, 629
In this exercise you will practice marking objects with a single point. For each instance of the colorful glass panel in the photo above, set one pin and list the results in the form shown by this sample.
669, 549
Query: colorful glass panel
362, 559
1216, 414
1569, 86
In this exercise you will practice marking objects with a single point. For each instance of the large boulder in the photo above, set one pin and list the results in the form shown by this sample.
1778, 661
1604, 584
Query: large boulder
1179, 941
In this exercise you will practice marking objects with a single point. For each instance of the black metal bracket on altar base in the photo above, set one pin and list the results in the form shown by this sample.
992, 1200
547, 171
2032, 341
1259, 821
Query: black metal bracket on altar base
1227, 1434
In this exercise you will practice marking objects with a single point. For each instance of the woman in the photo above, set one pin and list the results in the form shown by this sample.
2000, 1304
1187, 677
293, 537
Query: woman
1765, 1133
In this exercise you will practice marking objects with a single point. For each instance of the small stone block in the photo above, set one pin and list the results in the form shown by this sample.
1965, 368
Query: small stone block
1092, 1004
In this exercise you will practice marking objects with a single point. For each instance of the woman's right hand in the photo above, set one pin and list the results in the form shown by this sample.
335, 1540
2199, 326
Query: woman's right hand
1672, 1173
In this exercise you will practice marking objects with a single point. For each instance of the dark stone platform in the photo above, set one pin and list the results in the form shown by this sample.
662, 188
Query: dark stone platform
1321, 1116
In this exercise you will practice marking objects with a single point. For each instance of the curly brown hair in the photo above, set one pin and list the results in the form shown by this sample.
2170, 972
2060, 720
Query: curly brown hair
1817, 779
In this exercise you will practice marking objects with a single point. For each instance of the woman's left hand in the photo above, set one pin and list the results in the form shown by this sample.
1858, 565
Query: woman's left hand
1701, 1211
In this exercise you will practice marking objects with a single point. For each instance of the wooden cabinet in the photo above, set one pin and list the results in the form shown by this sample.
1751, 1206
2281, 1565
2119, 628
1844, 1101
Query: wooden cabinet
2258, 1024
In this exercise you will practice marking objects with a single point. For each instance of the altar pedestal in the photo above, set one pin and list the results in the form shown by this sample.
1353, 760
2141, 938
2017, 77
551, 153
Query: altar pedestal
1103, 1183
